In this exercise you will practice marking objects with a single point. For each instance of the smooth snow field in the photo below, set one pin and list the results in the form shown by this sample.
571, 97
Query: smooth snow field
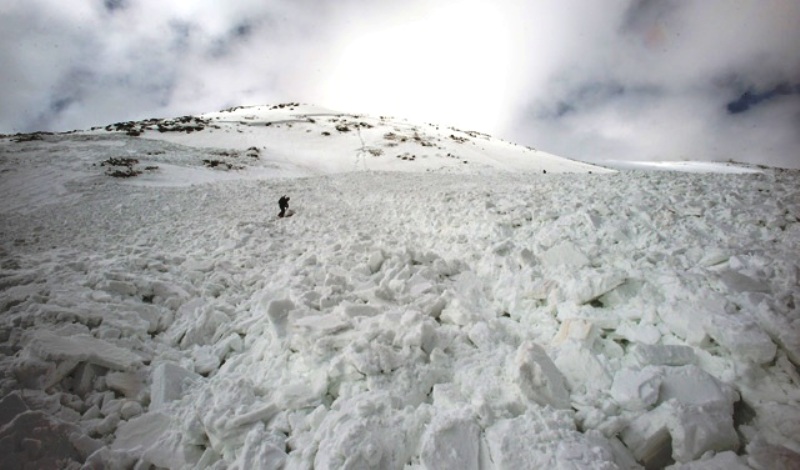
480, 315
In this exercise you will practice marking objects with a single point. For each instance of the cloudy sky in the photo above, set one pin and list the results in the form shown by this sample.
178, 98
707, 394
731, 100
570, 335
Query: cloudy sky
586, 79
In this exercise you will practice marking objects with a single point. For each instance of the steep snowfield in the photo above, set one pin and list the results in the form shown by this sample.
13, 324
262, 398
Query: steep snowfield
449, 316
302, 140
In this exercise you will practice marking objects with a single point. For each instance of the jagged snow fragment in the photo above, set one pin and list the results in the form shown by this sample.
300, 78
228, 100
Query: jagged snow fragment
546, 438
129, 384
587, 285
663, 355
688, 320
368, 431
168, 382
565, 255
375, 261
538, 378
784, 329
451, 440
278, 312
762, 455
781, 424
582, 368
636, 390
694, 416
736, 282
693, 386
152, 437
261, 450
727, 460
82, 348
33, 439
742, 337
576, 329
639, 333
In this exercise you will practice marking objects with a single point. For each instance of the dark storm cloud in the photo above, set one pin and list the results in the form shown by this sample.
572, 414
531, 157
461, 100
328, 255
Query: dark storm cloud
113, 5
752, 98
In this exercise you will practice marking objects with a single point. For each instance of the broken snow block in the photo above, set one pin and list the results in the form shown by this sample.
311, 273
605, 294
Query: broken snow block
315, 326
564, 255
588, 285
129, 384
10, 406
663, 355
686, 321
696, 430
461, 311
375, 261
80, 348
34, 439
153, 438
742, 337
546, 438
84, 377
231, 343
784, 331
169, 380
636, 390
727, 460
695, 415
575, 329
735, 282
538, 378
763, 455
278, 313
691, 385
649, 440
359, 310
779, 423
582, 369
451, 440
205, 362
638, 332
262, 449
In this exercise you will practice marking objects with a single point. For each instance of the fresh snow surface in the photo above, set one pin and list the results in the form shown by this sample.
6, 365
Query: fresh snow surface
417, 313
684, 166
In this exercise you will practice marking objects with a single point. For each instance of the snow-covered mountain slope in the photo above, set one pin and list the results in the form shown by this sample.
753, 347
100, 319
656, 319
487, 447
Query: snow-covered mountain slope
684, 166
303, 140
451, 318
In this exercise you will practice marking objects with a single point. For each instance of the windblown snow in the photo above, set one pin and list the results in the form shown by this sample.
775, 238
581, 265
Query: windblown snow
440, 300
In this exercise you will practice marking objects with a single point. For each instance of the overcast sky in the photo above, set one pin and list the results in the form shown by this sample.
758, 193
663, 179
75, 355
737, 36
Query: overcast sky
585, 79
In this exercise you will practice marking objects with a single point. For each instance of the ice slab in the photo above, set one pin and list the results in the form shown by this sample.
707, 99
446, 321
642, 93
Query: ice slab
538, 378
694, 416
564, 255
82, 348
636, 390
152, 437
742, 337
33, 439
582, 368
663, 355
727, 460
546, 438
168, 382
451, 440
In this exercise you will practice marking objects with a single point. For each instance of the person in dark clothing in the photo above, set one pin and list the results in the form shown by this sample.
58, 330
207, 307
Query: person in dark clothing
283, 203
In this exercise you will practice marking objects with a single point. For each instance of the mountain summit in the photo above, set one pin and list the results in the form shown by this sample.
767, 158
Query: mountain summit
302, 140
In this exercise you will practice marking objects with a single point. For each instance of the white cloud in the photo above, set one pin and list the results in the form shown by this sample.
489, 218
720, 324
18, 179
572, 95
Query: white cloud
630, 79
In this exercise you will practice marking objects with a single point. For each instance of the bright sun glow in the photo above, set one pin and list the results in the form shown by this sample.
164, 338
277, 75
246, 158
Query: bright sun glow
451, 66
